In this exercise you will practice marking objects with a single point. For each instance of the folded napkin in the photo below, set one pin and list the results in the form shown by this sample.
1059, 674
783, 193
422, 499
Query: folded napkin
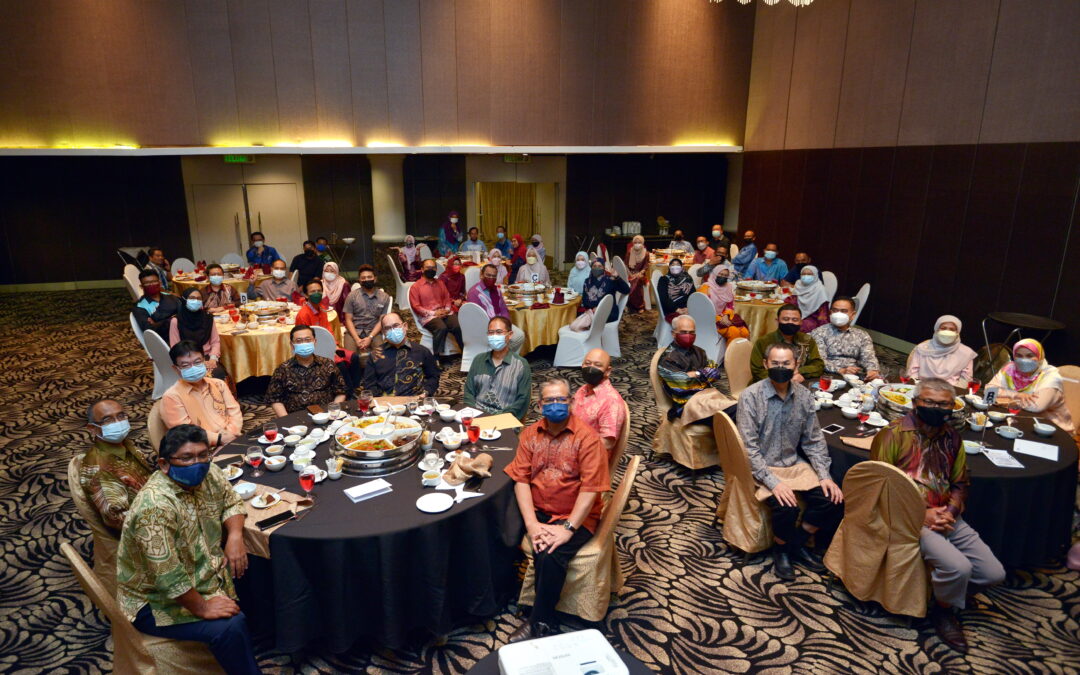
258, 541
540, 305
861, 443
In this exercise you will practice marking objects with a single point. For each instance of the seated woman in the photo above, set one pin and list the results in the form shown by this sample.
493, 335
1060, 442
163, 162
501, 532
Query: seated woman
600, 283
454, 280
943, 356
674, 289
218, 293
334, 286
637, 266
313, 309
517, 255
194, 323
495, 257
537, 242
579, 273
409, 257
1036, 385
533, 270
722, 293
810, 297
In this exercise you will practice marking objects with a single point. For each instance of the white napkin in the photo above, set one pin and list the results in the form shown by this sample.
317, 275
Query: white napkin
373, 488
469, 412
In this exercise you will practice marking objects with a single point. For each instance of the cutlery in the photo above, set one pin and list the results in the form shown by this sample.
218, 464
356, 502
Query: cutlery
490, 448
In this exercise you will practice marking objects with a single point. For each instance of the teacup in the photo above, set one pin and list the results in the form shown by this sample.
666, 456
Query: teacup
301, 463
850, 413
307, 447
245, 490
1008, 432
316, 434
293, 439
447, 415
1044, 430
996, 416
975, 426
875, 418
275, 463
431, 478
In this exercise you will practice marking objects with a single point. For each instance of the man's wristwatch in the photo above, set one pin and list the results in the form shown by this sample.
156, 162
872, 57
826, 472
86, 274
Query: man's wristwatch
568, 525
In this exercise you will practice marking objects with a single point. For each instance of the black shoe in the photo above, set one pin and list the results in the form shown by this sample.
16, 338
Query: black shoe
530, 630
808, 559
948, 628
782, 564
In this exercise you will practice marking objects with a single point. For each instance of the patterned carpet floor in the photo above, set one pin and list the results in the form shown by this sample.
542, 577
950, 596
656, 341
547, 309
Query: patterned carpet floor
690, 604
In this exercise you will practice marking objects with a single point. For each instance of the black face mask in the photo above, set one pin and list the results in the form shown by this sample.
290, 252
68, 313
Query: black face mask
781, 375
309, 252
678, 237
748, 240
932, 417
592, 375
429, 273
721, 280
789, 328
368, 284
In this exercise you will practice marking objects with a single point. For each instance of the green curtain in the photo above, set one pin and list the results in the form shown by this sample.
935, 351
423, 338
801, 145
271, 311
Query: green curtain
512, 205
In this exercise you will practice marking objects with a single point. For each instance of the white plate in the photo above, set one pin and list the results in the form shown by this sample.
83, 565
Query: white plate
232, 472
266, 441
882, 423
320, 475
453, 454
258, 503
495, 435
435, 502
420, 465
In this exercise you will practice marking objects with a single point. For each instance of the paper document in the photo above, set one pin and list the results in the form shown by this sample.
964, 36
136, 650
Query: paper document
1002, 458
503, 421
1044, 450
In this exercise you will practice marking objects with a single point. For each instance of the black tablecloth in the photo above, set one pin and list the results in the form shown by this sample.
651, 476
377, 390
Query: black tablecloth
1024, 515
381, 568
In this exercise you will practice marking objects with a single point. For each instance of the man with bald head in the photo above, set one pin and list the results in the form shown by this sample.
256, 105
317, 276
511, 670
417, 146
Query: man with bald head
596, 403
747, 253
398, 367
113, 470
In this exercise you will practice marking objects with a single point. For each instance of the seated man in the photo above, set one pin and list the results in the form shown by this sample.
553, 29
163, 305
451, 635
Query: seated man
559, 471
490, 298
779, 427
808, 363
363, 312
305, 379
719, 259
499, 381
680, 243
845, 348
596, 402
313, 312
434, 309
198, 399
175, 581
747, 254
322, 247
113, 469
802, 259
473, 243
308, 265
398, 367
218, 293
155, 309
769, 267
686, 371
925, 447
279, 285
260, 252
160, 266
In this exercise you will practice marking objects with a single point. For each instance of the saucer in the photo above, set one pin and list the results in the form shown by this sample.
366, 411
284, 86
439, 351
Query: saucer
495, 435
420, 465
882, 423
435, 502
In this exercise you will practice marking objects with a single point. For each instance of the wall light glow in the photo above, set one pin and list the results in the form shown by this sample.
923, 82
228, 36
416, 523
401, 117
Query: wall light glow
385, 144
315, 144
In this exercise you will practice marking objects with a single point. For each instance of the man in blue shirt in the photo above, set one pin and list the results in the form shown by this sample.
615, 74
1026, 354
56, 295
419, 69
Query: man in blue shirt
746, 255
260, 253
769, 267
473, 243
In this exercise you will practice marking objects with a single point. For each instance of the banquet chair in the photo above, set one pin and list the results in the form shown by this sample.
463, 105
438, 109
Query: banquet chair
860, 302
155, 426
624, 438
828, 279
425, 251
401, 287
693, 270
325, 345
474, 326
1070, 380
105, 540
619, 265
450, 346
182, 265
439, 268
594, 573
876, 551
295, 276
138, 333
232, 259
610, 337
472, 276
733, 251
135, 652
574, 345
131, 282
746, 520
737, 365
164, 375
702, 311
662, 333
690, 445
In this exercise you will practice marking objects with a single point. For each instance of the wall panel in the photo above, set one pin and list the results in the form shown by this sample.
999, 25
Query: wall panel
818, 65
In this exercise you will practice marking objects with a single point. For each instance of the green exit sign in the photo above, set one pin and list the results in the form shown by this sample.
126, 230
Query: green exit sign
239, 159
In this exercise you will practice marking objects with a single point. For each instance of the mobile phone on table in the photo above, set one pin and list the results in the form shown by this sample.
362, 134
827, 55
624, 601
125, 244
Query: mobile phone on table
832, 429
267, 523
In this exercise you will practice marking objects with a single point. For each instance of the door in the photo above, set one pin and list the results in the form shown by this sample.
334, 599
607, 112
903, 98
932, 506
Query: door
220, 221
274, 209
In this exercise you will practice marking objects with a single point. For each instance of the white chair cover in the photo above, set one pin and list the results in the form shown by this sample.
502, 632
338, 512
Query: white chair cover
425, 251
164, 375
733, 251
472, 276
829, 281
702, 311
325, 346
619, 266
737, 365
693, 270
662, 333
401, 287
138, 333
232, 259
131, 282
861, 298
295, 276
610, 338
182, 265
574, 345
474, 323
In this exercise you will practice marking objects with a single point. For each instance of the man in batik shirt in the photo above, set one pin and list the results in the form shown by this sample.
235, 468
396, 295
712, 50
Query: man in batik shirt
113, 470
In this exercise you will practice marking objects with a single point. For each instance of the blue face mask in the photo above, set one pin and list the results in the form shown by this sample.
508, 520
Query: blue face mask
190, 475
216, 279
396, 335
556, 412
500, 235
770, 255
1027, 365
321, 247
193, 373
193, 305
114, 432
496, 342
808, 279
304, 348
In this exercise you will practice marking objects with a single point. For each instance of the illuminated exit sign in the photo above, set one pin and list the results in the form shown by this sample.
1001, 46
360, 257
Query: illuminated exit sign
239, 159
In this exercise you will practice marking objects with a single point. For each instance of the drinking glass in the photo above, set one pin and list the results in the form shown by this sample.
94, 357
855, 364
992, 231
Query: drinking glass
307, 480
431, 404
863, 416
255, 459
974, 384
1014, 406
431, 459
363, 402
270, 431
334, 409
905, 376
474, 435
824, 383
411, 407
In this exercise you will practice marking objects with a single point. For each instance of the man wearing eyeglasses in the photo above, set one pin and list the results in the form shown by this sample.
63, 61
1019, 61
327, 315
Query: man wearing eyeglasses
174, 578
486, 293
305, 379
199, 399
398, 367
928, 449
499, 381
113, 470
560, 468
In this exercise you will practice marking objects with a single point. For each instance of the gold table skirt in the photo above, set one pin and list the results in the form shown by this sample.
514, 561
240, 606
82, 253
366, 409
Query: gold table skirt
241, 285
259, 353
541, 326
760, 317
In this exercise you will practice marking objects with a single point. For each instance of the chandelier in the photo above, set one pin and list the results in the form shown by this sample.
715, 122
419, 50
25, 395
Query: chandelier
797, 3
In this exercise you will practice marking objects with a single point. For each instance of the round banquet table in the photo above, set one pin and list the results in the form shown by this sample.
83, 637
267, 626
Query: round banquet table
241, 285
1023, 515
541, 326
381, 569
760, 317
258, 353
489, 665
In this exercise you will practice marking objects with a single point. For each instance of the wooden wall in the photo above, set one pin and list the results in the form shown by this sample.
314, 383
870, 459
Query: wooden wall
948, 229
849, 74
242, 72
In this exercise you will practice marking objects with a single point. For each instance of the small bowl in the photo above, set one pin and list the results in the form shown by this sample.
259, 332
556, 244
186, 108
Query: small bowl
851, 377
431, 478
301, 463
976, 427
977, 402
1011, 433
333, 475
826, 403
245, 490
1044, 430
850, 413
272, 450
447, 415
398, 409
451, 442
442, 406
275, 463
996, 416
380, 409
316, 434
299, 430
302, 453
306, 447
292, 439
320, 418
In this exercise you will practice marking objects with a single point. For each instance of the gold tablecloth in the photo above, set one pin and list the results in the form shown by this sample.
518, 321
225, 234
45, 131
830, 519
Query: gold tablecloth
258, 353
241, 285
541, 326
760, 317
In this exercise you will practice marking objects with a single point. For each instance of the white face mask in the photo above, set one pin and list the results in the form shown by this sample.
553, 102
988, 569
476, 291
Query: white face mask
808, 279
278, 274
453, 220
329, 276
531, 260
580, 264
701, 246
638, 247
259, 244
716, 234
839, 319
947, 337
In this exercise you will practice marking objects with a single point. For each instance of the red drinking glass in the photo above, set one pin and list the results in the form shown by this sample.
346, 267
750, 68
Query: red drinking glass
270, 431
307, 480
974, 386
474, 433
824, 383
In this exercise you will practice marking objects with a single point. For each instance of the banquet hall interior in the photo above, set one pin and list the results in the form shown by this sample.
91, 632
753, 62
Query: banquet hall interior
904, 173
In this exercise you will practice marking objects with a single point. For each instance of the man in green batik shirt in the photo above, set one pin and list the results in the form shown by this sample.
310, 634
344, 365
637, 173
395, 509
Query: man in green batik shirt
808, 362
173, 576
113, 470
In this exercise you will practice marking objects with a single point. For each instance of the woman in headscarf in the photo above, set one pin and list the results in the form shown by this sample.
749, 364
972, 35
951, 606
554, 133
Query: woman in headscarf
601, 283
454, 280
192, 322
450, 235
674, 289
943, 356
1028, 380
409, 257
538, 243
335, 287
533, 270
495, 257
517, 257
580, 272
637, 266
809, 295
722, 294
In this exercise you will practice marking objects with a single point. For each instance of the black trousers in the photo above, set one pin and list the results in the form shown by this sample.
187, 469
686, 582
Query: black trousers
820, 512
551, 572
439, 328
